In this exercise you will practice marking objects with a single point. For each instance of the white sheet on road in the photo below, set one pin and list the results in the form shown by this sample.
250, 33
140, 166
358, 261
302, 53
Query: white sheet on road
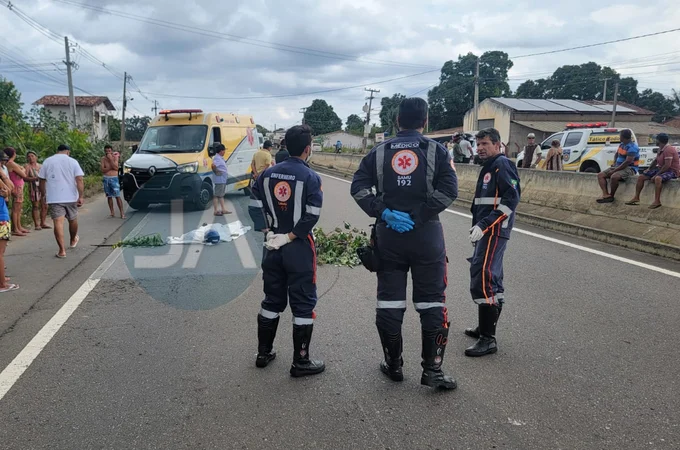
228, 232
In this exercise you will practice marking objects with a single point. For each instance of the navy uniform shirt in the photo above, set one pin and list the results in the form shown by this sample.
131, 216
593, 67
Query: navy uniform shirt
410, 173
496, 197
287, 198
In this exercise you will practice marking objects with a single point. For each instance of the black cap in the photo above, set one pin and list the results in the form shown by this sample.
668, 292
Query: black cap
63, 147
267, 144
3, 157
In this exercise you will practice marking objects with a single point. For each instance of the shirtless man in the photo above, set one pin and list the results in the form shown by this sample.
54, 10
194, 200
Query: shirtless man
109, 165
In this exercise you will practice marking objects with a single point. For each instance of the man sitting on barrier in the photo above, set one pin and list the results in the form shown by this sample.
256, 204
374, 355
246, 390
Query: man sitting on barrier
665, 167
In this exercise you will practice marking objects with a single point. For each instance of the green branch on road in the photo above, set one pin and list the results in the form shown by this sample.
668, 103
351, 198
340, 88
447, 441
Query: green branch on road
339, 246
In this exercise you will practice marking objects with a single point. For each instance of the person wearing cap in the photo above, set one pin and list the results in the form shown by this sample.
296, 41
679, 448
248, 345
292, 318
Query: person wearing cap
219, 167
38, 203
532, 153
61, 183
262, 159
282, 154
665, 167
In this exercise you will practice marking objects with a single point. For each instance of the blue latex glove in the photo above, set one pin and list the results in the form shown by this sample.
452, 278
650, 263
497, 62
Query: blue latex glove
399, 221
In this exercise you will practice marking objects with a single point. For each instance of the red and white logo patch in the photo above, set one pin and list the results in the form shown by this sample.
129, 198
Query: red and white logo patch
487, 178
282, 191
404, 162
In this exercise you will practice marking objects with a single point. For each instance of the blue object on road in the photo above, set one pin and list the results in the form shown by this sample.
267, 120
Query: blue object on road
212, 237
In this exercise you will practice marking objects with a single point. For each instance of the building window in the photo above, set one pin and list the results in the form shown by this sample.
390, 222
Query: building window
486, 123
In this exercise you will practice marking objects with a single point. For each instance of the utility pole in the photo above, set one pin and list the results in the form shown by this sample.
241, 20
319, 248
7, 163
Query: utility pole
475, 119
71, 96
616, 100
604, 92
122, 122
155, 107
368, 115
303, 111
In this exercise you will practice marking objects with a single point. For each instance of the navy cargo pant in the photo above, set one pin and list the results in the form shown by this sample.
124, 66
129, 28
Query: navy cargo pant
486, 270
290, 272
423, 251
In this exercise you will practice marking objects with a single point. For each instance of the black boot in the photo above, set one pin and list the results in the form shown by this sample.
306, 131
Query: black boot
474, 332
392, 345
486, 344
302, 365
266, 332
434, 344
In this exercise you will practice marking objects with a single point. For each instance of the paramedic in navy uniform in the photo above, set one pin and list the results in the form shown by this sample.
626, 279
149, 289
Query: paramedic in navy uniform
493, 215
415, 180
287, 200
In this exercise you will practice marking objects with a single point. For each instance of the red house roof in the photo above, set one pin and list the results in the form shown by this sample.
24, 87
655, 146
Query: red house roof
62, 100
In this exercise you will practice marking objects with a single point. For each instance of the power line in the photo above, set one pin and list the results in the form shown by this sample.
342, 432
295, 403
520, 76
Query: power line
597, 44
242, 39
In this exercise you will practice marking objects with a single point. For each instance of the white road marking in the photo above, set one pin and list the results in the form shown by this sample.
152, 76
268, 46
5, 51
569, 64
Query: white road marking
23, 360
565, 243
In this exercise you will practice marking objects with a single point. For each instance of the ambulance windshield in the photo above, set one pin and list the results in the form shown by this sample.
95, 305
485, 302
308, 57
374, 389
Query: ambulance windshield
174, 139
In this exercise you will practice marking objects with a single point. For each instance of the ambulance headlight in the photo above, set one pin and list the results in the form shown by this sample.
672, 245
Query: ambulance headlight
126, 168
188, 168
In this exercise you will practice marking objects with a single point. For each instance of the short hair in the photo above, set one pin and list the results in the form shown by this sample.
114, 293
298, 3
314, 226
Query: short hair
626, 134
108, 146
298, 139
412, 113
9, 151
662, 137
282, 143
267, 144
63, 148
219, 148
555, 143
491, 133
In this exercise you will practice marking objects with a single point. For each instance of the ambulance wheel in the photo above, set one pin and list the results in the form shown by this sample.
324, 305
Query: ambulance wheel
204, 197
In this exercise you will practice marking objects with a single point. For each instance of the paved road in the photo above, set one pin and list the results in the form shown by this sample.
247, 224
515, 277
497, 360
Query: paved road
162, 357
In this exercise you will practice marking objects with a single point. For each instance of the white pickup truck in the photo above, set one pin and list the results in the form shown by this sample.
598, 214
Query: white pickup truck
590, 148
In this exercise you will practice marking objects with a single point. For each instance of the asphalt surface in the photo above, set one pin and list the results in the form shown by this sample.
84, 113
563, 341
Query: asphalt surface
160, 355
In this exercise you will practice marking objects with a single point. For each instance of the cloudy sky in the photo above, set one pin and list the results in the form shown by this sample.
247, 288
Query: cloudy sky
223, 55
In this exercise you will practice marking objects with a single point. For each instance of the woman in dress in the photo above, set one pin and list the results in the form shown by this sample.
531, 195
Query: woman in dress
554, 159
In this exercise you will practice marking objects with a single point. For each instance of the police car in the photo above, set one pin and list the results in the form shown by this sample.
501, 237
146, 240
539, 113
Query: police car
590, 147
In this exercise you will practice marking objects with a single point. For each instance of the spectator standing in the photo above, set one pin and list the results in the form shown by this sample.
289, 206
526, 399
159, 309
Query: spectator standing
262, 159
466, 148
109, 166
38, 204
665, 167
18, 177
5, 234
554, 159
457, 152
61, 182
219, 167
532, 153
282, 154
625, 166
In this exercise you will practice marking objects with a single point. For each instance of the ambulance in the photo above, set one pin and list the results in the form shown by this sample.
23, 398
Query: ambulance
174, 158
589, 147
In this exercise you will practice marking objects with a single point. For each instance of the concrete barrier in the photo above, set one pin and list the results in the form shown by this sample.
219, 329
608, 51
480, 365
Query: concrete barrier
566, 202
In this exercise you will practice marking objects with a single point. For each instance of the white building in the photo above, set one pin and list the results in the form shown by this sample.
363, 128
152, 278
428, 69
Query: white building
348, 140
92, 112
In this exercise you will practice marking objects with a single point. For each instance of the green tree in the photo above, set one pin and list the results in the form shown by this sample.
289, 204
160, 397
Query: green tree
454, 96
388, 113
11, 117
262, 130
355, 125
322, 118
135, 127
664, 107
114, 129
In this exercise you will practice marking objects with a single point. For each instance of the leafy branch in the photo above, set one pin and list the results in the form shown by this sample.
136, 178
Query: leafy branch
339, 246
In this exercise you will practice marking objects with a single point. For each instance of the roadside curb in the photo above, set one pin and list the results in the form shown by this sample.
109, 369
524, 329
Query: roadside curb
594, 234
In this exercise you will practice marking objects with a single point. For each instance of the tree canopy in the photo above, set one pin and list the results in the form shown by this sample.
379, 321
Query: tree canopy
355, 125
322, 118
388, 113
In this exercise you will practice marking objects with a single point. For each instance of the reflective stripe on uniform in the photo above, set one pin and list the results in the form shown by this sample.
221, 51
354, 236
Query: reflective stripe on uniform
505, 210
268, 195
431, 162
379, 163
297, 203
429, 305
442, 198
362, 194
494, 299
314, 210
255, 203
486, 201
382, 304
268, 314
302, 321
